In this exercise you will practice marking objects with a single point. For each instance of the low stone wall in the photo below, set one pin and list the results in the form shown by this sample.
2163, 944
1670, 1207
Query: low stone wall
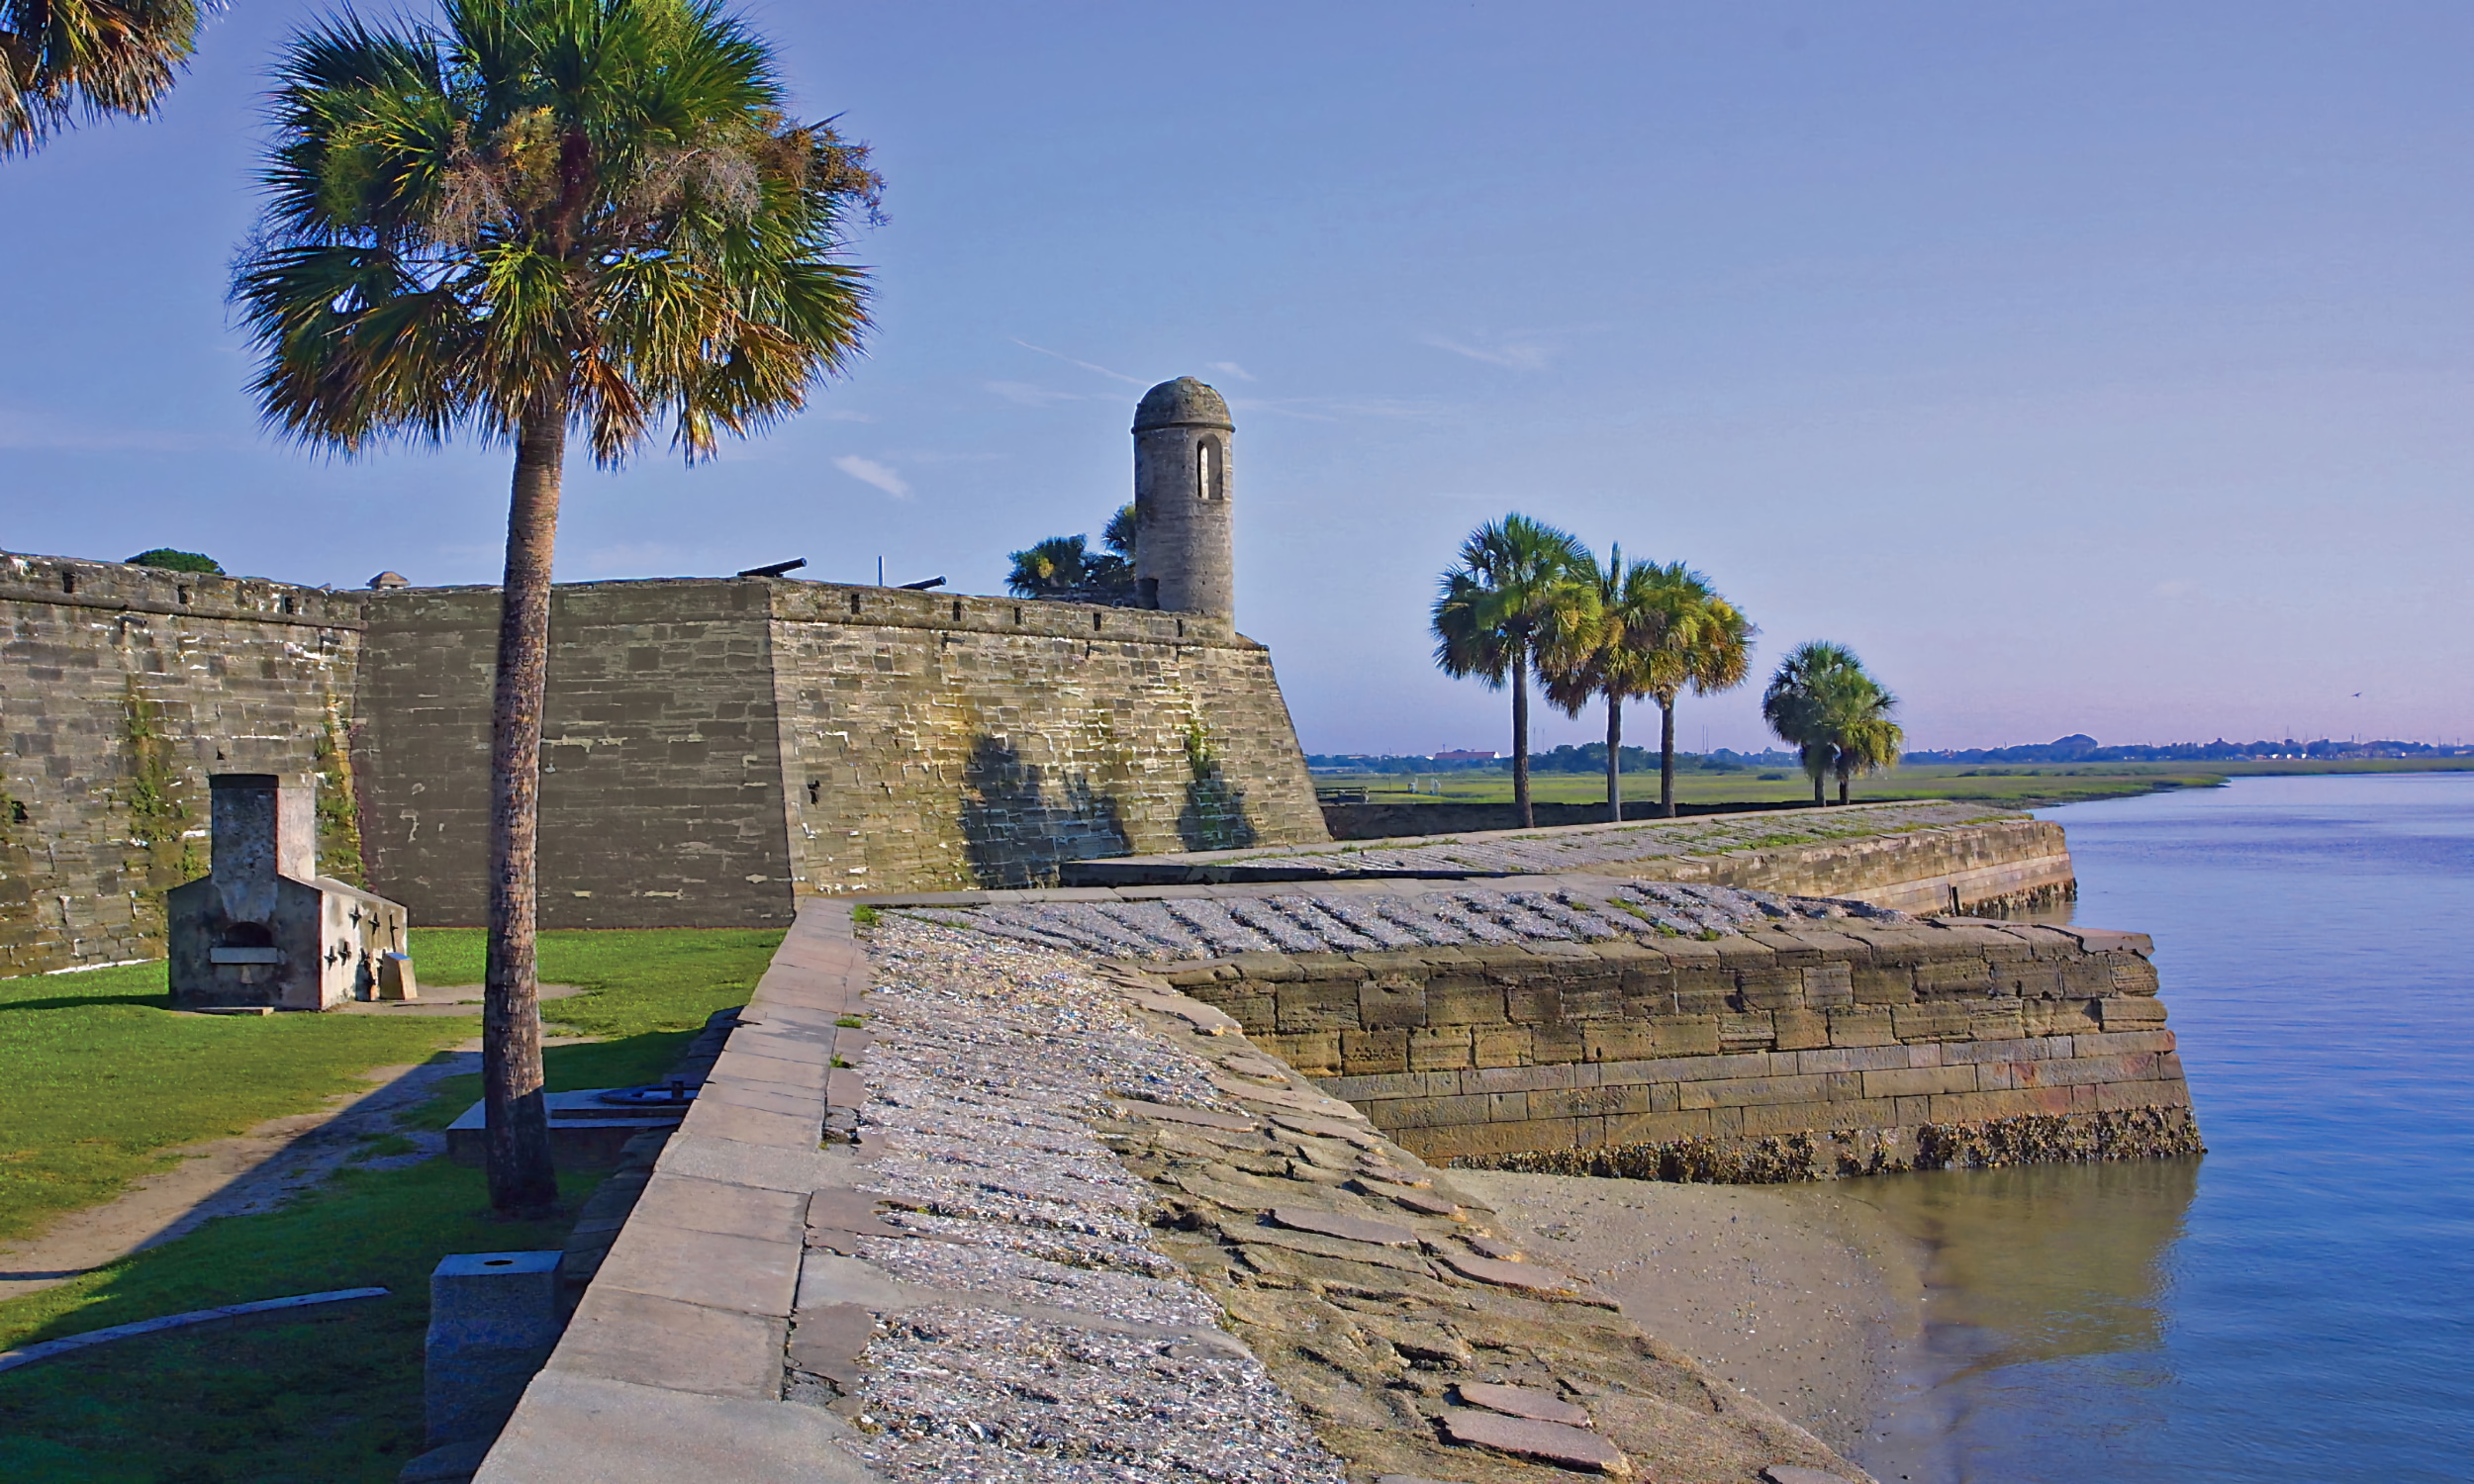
1785, 1054
1912, 856
1392, 821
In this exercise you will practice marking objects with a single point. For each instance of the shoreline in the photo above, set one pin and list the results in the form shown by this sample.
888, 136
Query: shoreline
1810, 1304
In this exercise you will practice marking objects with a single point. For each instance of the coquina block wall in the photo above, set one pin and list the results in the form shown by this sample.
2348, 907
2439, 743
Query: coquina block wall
1770, 1055
713, 749
120, 688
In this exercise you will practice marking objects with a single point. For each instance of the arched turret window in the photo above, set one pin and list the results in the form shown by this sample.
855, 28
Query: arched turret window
1210, 470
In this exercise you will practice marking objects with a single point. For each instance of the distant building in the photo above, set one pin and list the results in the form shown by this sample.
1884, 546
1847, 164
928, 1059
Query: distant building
1465, 757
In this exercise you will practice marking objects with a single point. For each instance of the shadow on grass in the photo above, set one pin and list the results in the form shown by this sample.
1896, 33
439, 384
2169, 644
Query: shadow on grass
333, 1399
89, 1002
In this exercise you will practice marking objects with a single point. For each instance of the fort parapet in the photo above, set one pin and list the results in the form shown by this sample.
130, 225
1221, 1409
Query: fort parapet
713, 748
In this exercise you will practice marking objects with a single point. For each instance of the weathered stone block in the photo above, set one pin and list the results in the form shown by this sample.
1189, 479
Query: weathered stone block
1310, 1005
1800, 1029
1770, 988
2131, 1013
1868, 1026
1366, 1053
1533, 1003
1916, 1080
1685, 1036
1742, 1092
1386, 1004
1315, 1053
1440, 1048
1940, 1020
2062, 1017
1828, 984
1851, 1059
1460, 1002
1937, 979
1503, 1045
1740, 1033
1890, 986
2000, 1020
1558, 1041
1617, 1040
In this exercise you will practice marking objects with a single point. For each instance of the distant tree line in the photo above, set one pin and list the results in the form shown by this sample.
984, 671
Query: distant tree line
2079, 747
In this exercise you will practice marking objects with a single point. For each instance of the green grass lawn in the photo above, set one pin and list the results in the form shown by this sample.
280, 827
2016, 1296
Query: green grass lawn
106, 1083
2022, 785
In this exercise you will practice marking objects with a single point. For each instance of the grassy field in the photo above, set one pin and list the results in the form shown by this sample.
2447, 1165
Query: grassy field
2021, 786
106, 1083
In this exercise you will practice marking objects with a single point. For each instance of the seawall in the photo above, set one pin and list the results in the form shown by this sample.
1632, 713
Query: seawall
1911, 856
1582, 1025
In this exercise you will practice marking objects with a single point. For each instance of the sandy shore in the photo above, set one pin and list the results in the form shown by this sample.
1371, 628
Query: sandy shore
1804, 1301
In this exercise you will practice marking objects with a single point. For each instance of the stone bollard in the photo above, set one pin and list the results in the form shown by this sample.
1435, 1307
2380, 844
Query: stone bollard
493, 1319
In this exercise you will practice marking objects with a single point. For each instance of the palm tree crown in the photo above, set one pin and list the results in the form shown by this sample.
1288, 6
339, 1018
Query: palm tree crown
1839, 716
601, 207
1513, 579
61, 61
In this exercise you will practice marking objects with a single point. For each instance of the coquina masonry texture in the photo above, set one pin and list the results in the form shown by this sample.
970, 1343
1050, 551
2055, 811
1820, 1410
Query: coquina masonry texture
1800, 1054
713, 749
121, 688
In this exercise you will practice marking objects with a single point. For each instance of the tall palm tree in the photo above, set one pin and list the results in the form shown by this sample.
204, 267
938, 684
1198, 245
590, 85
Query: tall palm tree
533, 215
1594, 648
1700, 640
62, 60
1513, 575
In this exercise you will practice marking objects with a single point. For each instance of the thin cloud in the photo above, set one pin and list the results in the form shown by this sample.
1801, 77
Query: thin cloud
29, 432
1024, 394
1512, 356
1233, 369
869, 472
1131, 381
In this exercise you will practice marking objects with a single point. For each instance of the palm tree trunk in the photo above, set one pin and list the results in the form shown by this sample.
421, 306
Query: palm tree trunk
1666, 757
1842, 777
1818, 768
521, 1181
1520, 735
1614, 757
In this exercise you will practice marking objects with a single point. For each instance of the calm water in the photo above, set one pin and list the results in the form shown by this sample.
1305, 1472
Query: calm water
2298, 1305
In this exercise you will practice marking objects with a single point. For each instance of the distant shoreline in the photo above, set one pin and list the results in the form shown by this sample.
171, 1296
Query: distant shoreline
2015, 786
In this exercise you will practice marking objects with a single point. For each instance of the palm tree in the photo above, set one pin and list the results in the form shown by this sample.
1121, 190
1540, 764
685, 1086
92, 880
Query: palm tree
1863, 737
62, 60
1593, 648
1700, 640
1794, 708
533, 215
1513, 577
1838, 717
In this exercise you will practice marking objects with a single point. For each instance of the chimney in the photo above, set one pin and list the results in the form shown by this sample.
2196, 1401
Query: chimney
264, 828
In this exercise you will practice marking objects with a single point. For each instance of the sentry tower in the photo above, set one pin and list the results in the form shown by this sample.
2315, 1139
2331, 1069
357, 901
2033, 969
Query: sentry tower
1184, 557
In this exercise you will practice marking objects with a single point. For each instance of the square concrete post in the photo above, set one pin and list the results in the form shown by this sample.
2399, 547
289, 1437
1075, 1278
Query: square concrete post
493, 1319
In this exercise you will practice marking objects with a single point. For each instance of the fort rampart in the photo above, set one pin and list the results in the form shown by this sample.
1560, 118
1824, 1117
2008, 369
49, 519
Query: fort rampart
1773, 1054
713, 748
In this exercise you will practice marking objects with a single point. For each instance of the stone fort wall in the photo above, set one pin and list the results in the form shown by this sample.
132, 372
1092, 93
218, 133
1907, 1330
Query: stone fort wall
120, 689
713, 749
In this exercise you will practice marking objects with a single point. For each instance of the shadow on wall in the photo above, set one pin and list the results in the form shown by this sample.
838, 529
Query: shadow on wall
1214, 817
1017, 833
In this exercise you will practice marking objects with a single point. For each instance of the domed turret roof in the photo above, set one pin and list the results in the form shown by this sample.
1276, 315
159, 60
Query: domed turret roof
1183, 402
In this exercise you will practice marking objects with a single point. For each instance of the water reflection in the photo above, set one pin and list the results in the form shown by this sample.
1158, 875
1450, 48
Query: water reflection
2044, 1315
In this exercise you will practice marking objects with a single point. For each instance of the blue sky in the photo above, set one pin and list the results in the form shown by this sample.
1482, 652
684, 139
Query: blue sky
2086, 367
